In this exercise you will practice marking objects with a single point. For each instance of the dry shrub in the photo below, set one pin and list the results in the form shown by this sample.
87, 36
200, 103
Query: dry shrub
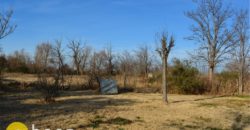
226, 83
48, 90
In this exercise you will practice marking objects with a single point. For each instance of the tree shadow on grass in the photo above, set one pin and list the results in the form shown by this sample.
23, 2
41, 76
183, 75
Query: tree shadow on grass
12, 108
200, 99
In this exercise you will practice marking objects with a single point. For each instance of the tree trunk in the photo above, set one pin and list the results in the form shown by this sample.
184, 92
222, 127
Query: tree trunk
125, 79
164, 79
242, 66
211, 78
241, 78
78, 69
241, 84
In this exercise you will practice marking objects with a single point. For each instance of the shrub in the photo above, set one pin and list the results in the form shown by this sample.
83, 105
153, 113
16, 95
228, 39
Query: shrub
49, 91
186, 78
227, 82
225, 76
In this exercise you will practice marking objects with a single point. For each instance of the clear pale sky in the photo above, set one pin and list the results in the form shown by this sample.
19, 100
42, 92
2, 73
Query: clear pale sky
125, 23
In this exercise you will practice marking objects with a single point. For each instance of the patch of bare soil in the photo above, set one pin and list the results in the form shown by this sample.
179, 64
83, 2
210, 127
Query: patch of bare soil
83, 110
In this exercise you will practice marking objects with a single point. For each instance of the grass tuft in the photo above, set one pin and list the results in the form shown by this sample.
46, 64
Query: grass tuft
200, 118
119, 121
244, 96
95, 123
208, 105
212, 128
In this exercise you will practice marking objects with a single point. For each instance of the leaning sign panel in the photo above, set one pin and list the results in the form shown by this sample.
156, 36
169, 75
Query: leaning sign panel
108, 86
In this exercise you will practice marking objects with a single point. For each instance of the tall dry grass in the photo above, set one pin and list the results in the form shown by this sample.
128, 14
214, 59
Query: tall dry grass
135, 82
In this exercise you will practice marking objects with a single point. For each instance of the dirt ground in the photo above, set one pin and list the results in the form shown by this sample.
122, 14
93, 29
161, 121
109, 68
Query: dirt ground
85, 110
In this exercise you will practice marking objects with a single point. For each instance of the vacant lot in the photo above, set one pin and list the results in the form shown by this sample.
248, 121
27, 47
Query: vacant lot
85, 110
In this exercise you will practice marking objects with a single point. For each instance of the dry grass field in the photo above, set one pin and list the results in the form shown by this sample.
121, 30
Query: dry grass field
86, 110
125, 65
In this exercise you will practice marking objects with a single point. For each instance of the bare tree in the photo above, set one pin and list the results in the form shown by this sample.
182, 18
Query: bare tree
53, 56
126, 65
6, 27
212, 32
109, 57
97, 68
58, 61
144, 61
43, 56
241, 51
75, 47
164, 51
99, 60
86, 53
48, 55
